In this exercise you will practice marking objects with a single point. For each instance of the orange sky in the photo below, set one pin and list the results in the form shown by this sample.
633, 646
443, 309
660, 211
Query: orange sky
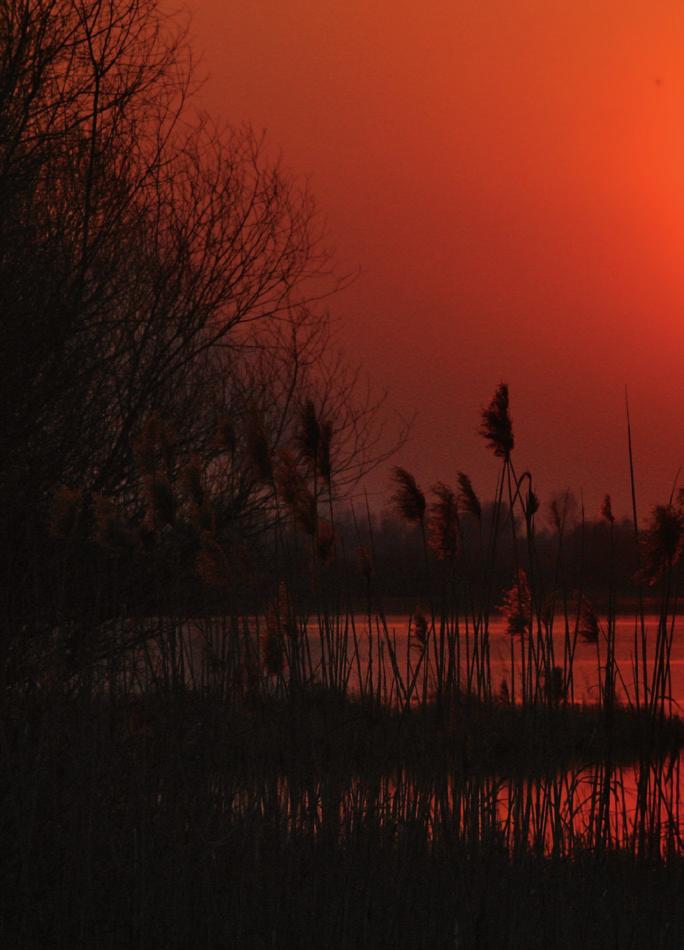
509, 177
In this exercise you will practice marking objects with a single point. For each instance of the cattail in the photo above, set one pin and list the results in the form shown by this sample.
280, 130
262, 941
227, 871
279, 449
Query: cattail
517, 606
66, 511
296, 494
467, 498
443, 522
532, 505
496, 426
662, 544
407, 498
607, 510
589, 628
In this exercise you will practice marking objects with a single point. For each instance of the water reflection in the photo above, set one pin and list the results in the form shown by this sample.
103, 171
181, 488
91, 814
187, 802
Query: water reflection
636, 808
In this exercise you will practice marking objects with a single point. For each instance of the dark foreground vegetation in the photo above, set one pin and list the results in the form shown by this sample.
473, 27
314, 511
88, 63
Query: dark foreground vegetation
179, 820
211, 733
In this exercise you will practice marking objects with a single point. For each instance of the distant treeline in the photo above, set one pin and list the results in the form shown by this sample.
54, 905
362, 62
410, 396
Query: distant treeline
580, 557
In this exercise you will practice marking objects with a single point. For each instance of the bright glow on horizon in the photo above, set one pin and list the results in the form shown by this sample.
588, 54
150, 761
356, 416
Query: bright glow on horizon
510, 180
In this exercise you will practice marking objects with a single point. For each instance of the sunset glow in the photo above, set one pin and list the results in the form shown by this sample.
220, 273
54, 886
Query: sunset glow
508, 178
342, 474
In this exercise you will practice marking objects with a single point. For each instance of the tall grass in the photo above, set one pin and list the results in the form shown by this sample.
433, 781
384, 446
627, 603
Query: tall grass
198, 750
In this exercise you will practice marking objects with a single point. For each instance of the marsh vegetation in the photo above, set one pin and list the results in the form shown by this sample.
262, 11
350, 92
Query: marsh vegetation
238, 707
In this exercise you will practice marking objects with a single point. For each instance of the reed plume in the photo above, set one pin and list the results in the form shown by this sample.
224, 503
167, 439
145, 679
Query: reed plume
443, 522
407, 498
420, 627
607, 510
296, 493
662, 545
589, 628
496, 426
555, 516
467, 498
517, 606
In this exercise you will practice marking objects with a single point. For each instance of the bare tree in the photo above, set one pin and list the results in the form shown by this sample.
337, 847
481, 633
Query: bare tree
134, 238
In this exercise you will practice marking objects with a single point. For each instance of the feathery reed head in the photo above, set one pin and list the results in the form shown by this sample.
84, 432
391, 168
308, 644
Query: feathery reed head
589, 628
420, 627
467, 498
517, 606
443, 522
607, 510
407, 498
662, 545
555, 516
295, 493
497, 427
